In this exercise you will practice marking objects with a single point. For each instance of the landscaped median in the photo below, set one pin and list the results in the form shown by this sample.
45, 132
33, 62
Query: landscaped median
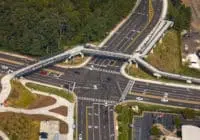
51, 90
127, 111
20, 97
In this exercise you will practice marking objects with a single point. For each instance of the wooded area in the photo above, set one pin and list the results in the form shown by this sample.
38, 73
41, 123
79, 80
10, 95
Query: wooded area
180, 14
43, 27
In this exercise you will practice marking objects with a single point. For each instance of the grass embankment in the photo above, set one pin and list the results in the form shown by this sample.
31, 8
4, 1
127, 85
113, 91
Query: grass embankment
59, 92
20, 97
74, 61
151, 11
139, 73
25, 127
167, 56
19, 127
126, 113
124, 118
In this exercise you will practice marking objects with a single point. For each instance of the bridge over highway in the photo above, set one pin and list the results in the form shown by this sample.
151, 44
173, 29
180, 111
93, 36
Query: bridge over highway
136, 58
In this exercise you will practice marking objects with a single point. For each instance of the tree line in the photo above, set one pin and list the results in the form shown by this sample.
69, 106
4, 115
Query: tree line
180, 14
43, 27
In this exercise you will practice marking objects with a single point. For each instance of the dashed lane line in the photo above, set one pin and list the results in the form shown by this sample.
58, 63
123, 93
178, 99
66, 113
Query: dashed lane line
170, 99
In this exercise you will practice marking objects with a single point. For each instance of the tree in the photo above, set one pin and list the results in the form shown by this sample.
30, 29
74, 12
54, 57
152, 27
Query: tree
44, 27
177, 122
155, 131
188, 113
180, 14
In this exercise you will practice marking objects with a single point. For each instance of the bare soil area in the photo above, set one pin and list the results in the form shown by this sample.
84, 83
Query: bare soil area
62, 110
42, 101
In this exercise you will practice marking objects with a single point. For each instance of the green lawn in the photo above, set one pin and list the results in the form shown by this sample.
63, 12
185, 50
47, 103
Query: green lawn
20, 97
138, 73
74, 61
59, 92
125, 115
167, 56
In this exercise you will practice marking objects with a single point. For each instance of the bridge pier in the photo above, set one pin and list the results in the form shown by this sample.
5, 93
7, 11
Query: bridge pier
136, 64
130, 62
151, 51
189, 81
82, 55
160, 41
158, 76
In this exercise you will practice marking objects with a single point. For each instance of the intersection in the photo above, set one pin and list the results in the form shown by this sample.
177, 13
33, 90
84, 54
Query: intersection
99, 85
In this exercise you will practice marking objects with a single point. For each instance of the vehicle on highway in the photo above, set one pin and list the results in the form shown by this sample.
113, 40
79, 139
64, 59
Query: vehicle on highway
80, 137
164, 100
4, 67
139, 98
10, 71
44, 73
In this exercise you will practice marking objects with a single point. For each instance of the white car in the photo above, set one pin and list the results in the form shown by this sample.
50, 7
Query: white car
80, 137
139, 98
165, 100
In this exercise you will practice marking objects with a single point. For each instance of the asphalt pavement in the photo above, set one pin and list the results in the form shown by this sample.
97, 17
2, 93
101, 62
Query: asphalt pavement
100, 83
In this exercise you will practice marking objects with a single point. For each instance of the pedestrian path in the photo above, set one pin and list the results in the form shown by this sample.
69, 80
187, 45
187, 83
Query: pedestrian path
3, 135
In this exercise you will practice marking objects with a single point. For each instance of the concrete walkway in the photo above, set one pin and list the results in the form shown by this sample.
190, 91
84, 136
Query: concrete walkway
3, 135
59, 102
6, 87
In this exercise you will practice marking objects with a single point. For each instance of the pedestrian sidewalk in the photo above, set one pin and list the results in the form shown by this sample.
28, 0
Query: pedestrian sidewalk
3, 135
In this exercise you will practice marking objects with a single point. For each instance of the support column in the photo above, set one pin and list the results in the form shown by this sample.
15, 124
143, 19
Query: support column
82, 55
189, 81
160, 41
158, 76
130, 62
136, 64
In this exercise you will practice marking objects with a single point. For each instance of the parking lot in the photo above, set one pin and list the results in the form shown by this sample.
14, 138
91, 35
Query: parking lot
142, 125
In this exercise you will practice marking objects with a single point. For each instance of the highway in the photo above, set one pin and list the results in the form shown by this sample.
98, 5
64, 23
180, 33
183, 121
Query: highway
99, 84
130, 35
97, 87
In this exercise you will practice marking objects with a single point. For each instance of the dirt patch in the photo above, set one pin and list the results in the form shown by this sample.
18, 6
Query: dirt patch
62, 110
42, 101
63, 128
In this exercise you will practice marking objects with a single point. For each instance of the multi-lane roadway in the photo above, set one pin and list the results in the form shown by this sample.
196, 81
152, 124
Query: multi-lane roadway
99, 85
